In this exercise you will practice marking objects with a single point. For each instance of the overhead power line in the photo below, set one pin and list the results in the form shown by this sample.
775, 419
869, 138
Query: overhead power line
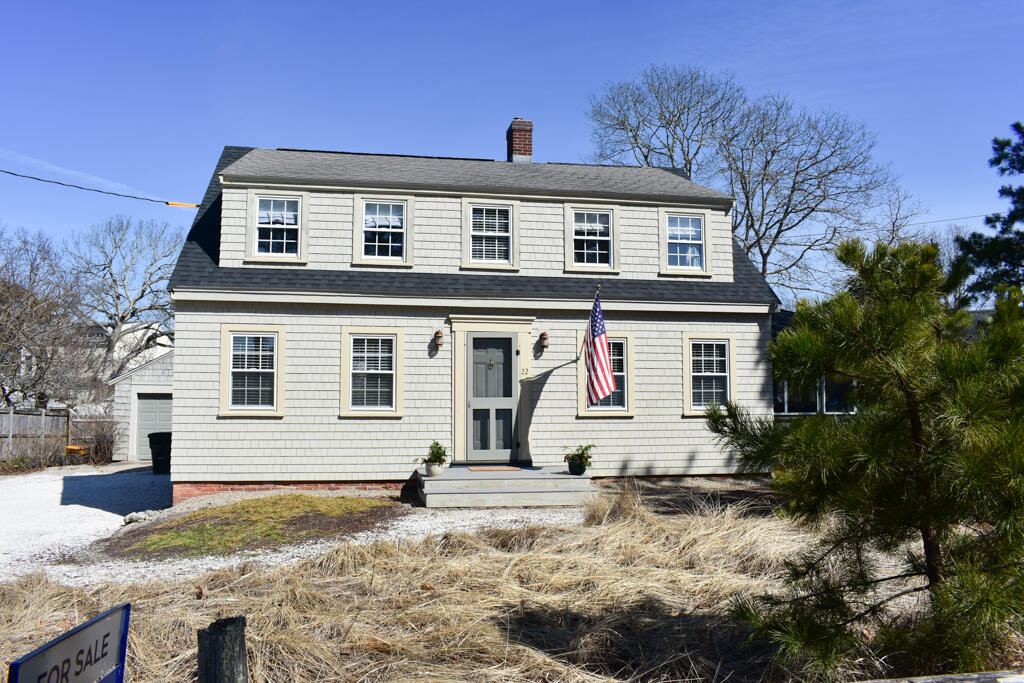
93, 189
946, 220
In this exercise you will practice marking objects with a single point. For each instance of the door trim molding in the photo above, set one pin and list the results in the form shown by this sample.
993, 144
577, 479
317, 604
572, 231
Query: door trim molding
460, 325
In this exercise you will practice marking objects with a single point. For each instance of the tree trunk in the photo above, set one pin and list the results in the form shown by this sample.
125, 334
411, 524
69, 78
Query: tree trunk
933, 563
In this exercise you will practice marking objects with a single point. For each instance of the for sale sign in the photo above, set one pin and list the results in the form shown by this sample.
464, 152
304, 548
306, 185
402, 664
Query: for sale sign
91, 653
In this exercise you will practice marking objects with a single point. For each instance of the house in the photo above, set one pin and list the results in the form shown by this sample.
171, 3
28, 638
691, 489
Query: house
142, 406
337, 312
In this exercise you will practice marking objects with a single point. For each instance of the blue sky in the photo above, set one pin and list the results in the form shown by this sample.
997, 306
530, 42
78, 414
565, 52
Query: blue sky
140, 97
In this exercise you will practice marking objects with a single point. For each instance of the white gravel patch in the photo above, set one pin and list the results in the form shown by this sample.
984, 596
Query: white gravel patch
46, 517
417, 525
53, 513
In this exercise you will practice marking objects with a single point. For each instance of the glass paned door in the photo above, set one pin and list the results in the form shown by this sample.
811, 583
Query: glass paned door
493, 397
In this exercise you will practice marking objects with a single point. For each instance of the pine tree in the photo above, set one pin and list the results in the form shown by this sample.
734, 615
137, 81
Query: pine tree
999, 259
918, 496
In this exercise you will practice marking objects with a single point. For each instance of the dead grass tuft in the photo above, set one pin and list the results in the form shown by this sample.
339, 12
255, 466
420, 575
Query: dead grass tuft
635, 595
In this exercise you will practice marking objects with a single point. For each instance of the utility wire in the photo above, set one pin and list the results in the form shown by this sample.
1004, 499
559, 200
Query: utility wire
93, 189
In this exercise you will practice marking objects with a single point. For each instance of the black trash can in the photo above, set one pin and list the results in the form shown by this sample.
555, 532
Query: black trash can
160, 447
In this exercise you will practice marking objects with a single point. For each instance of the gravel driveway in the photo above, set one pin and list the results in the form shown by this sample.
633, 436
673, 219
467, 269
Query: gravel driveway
50, 514
47, 516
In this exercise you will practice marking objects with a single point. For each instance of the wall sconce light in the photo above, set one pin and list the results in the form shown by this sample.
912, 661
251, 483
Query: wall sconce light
438, 338
543, 340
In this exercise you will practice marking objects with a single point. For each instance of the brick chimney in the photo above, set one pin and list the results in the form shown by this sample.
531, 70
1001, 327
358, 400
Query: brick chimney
519, 137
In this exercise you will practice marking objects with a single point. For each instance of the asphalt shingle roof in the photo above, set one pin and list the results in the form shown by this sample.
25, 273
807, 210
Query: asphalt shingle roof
483, 175
197, 268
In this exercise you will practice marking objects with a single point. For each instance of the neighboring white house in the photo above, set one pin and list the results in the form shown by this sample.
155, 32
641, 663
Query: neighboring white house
337, 312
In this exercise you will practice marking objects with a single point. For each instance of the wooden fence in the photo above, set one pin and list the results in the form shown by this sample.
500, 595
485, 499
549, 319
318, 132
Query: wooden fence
17, 424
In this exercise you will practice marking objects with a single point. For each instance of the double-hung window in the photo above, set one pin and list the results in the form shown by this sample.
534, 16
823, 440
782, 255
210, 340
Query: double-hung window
592, 238
491, 234
277, 226
253, 371
373, 372
685, 247
384, 230
709, 372
617, 356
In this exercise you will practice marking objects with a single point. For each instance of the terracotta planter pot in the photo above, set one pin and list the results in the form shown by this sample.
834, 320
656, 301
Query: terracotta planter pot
576, 467
434, 468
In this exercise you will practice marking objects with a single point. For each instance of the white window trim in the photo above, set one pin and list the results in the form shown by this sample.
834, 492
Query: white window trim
583, 409
467, 229
252, 232
689, 410
665, 269
226, 331
358, 258
573, 267
345, 403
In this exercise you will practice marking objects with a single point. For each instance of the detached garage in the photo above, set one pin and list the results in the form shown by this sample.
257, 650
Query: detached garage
142, 406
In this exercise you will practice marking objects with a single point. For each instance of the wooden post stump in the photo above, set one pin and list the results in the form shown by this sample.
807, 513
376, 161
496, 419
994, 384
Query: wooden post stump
222, 652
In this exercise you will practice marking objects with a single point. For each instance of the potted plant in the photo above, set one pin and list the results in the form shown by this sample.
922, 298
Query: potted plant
579, 459
435, 459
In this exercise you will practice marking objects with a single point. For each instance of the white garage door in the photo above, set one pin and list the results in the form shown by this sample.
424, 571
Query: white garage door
154, 415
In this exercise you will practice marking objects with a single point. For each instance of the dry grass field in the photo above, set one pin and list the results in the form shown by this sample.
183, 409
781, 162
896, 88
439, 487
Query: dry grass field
638, 593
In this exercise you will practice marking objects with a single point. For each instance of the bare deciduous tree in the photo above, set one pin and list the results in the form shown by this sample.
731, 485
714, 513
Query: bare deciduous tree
801, 180
123, 267
45, 350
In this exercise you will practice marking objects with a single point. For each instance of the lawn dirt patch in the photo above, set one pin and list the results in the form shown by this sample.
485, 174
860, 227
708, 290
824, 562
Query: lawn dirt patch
253, 524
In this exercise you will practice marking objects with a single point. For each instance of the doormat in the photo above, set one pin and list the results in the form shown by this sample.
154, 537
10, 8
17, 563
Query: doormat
495, 468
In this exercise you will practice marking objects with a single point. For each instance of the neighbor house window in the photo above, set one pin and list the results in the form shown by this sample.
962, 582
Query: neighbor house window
592, 238
277, 226
617, 355
686, 242
384, 230
709, 373
823, 396
253, 370
373, 372
491, 234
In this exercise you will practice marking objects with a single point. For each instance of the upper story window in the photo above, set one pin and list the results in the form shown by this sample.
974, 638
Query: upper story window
592, 238
253, 370
823, 396
686, 242
384, 230
709, 372
491, 234
277, 226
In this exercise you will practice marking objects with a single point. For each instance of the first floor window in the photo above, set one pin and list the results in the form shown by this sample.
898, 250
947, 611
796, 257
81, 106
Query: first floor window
592, 238
709, 372
373, 372
686, 242
824, 395
277, 226
491, 234
253, 369
384, 230
617, 355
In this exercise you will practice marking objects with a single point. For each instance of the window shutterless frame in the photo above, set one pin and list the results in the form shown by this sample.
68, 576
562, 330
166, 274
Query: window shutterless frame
372, 362
591, 238
684, 238
622, 349
703, 370
245, 365
488, 239
386, 224
277, 227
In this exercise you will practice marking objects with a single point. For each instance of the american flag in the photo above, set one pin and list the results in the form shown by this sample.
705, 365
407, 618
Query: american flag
600, 381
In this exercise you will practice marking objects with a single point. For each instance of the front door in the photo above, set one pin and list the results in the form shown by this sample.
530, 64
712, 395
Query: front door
493, 396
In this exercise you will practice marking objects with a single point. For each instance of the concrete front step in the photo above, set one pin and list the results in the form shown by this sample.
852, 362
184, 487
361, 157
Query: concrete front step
495, 498
528, 486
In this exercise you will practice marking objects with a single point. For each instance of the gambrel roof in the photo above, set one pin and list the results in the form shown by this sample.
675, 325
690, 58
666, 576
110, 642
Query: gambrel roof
197, 266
